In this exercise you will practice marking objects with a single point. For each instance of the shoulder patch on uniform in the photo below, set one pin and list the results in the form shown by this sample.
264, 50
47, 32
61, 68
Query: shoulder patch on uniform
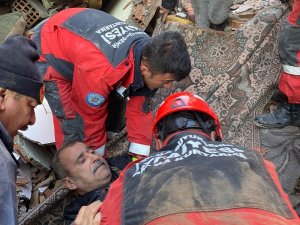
94, 99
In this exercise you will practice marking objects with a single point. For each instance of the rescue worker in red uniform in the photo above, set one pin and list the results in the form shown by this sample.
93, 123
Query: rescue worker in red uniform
91, 59
289, 84
194, 178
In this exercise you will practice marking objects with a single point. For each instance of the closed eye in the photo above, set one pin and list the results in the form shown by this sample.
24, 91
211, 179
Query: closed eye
81, 160
91, 151
169, 81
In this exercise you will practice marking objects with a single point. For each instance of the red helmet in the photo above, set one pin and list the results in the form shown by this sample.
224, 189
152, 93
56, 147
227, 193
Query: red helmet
183, 101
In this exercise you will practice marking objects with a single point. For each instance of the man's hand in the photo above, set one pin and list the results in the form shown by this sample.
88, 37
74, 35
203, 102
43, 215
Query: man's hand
89, 215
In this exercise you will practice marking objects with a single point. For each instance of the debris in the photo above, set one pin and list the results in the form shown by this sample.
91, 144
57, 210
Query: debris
39, 176
35, 187
45, 182
34, 200
143, 12
243, 11
140, 13
96, 4
22, 181
11, 23
58, 184
33, 9
47, 4
44, 120
47, 192
37, 155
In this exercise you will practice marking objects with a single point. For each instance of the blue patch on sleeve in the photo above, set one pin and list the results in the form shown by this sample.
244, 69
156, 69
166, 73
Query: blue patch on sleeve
94, 99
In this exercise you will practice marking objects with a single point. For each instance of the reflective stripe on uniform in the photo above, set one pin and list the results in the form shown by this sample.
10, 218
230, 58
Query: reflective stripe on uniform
139, 149
293, 70
101, 150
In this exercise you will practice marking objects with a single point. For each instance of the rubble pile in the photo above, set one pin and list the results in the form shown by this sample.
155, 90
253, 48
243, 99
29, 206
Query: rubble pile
36, 180
30, 12
34, 151
142, 12
244, 10
34, 186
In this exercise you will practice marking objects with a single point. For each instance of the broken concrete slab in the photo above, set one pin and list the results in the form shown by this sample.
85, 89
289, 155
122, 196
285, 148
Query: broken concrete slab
42, 132
37, 155
11, 23
32, 9
120, 9
24, 180
143, 13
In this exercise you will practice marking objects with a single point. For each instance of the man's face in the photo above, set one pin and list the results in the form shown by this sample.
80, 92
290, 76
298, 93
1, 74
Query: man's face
86, 168
158, 80
17, 112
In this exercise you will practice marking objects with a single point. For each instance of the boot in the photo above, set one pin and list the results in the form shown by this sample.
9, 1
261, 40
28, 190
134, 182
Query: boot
279, 97
286, 114
219, 10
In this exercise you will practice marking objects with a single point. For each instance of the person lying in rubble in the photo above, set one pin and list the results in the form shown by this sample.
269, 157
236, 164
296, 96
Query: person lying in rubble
85, 171
288, 112
21, 90
206, 12
95, 66
194, 178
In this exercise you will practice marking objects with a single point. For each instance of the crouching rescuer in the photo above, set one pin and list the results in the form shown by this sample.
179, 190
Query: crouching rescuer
194, 178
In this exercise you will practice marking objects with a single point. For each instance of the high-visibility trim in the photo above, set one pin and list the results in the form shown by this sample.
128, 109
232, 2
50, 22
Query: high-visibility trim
139, 149
101, 150
294, 70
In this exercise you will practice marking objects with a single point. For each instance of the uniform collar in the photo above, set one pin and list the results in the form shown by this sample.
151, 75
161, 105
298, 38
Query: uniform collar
175, 136
138, 87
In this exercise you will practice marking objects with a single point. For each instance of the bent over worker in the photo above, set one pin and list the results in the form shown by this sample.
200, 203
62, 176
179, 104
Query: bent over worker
194, 178
89, 57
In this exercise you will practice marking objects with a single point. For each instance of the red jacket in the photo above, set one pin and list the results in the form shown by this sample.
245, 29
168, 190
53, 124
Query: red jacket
85, 55
289, 52
193, 180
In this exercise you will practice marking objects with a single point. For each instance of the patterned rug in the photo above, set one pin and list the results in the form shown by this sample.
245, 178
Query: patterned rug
236, 72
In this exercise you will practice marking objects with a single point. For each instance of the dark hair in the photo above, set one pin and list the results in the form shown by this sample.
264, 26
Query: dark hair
59, 169
167, 53
183, 120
